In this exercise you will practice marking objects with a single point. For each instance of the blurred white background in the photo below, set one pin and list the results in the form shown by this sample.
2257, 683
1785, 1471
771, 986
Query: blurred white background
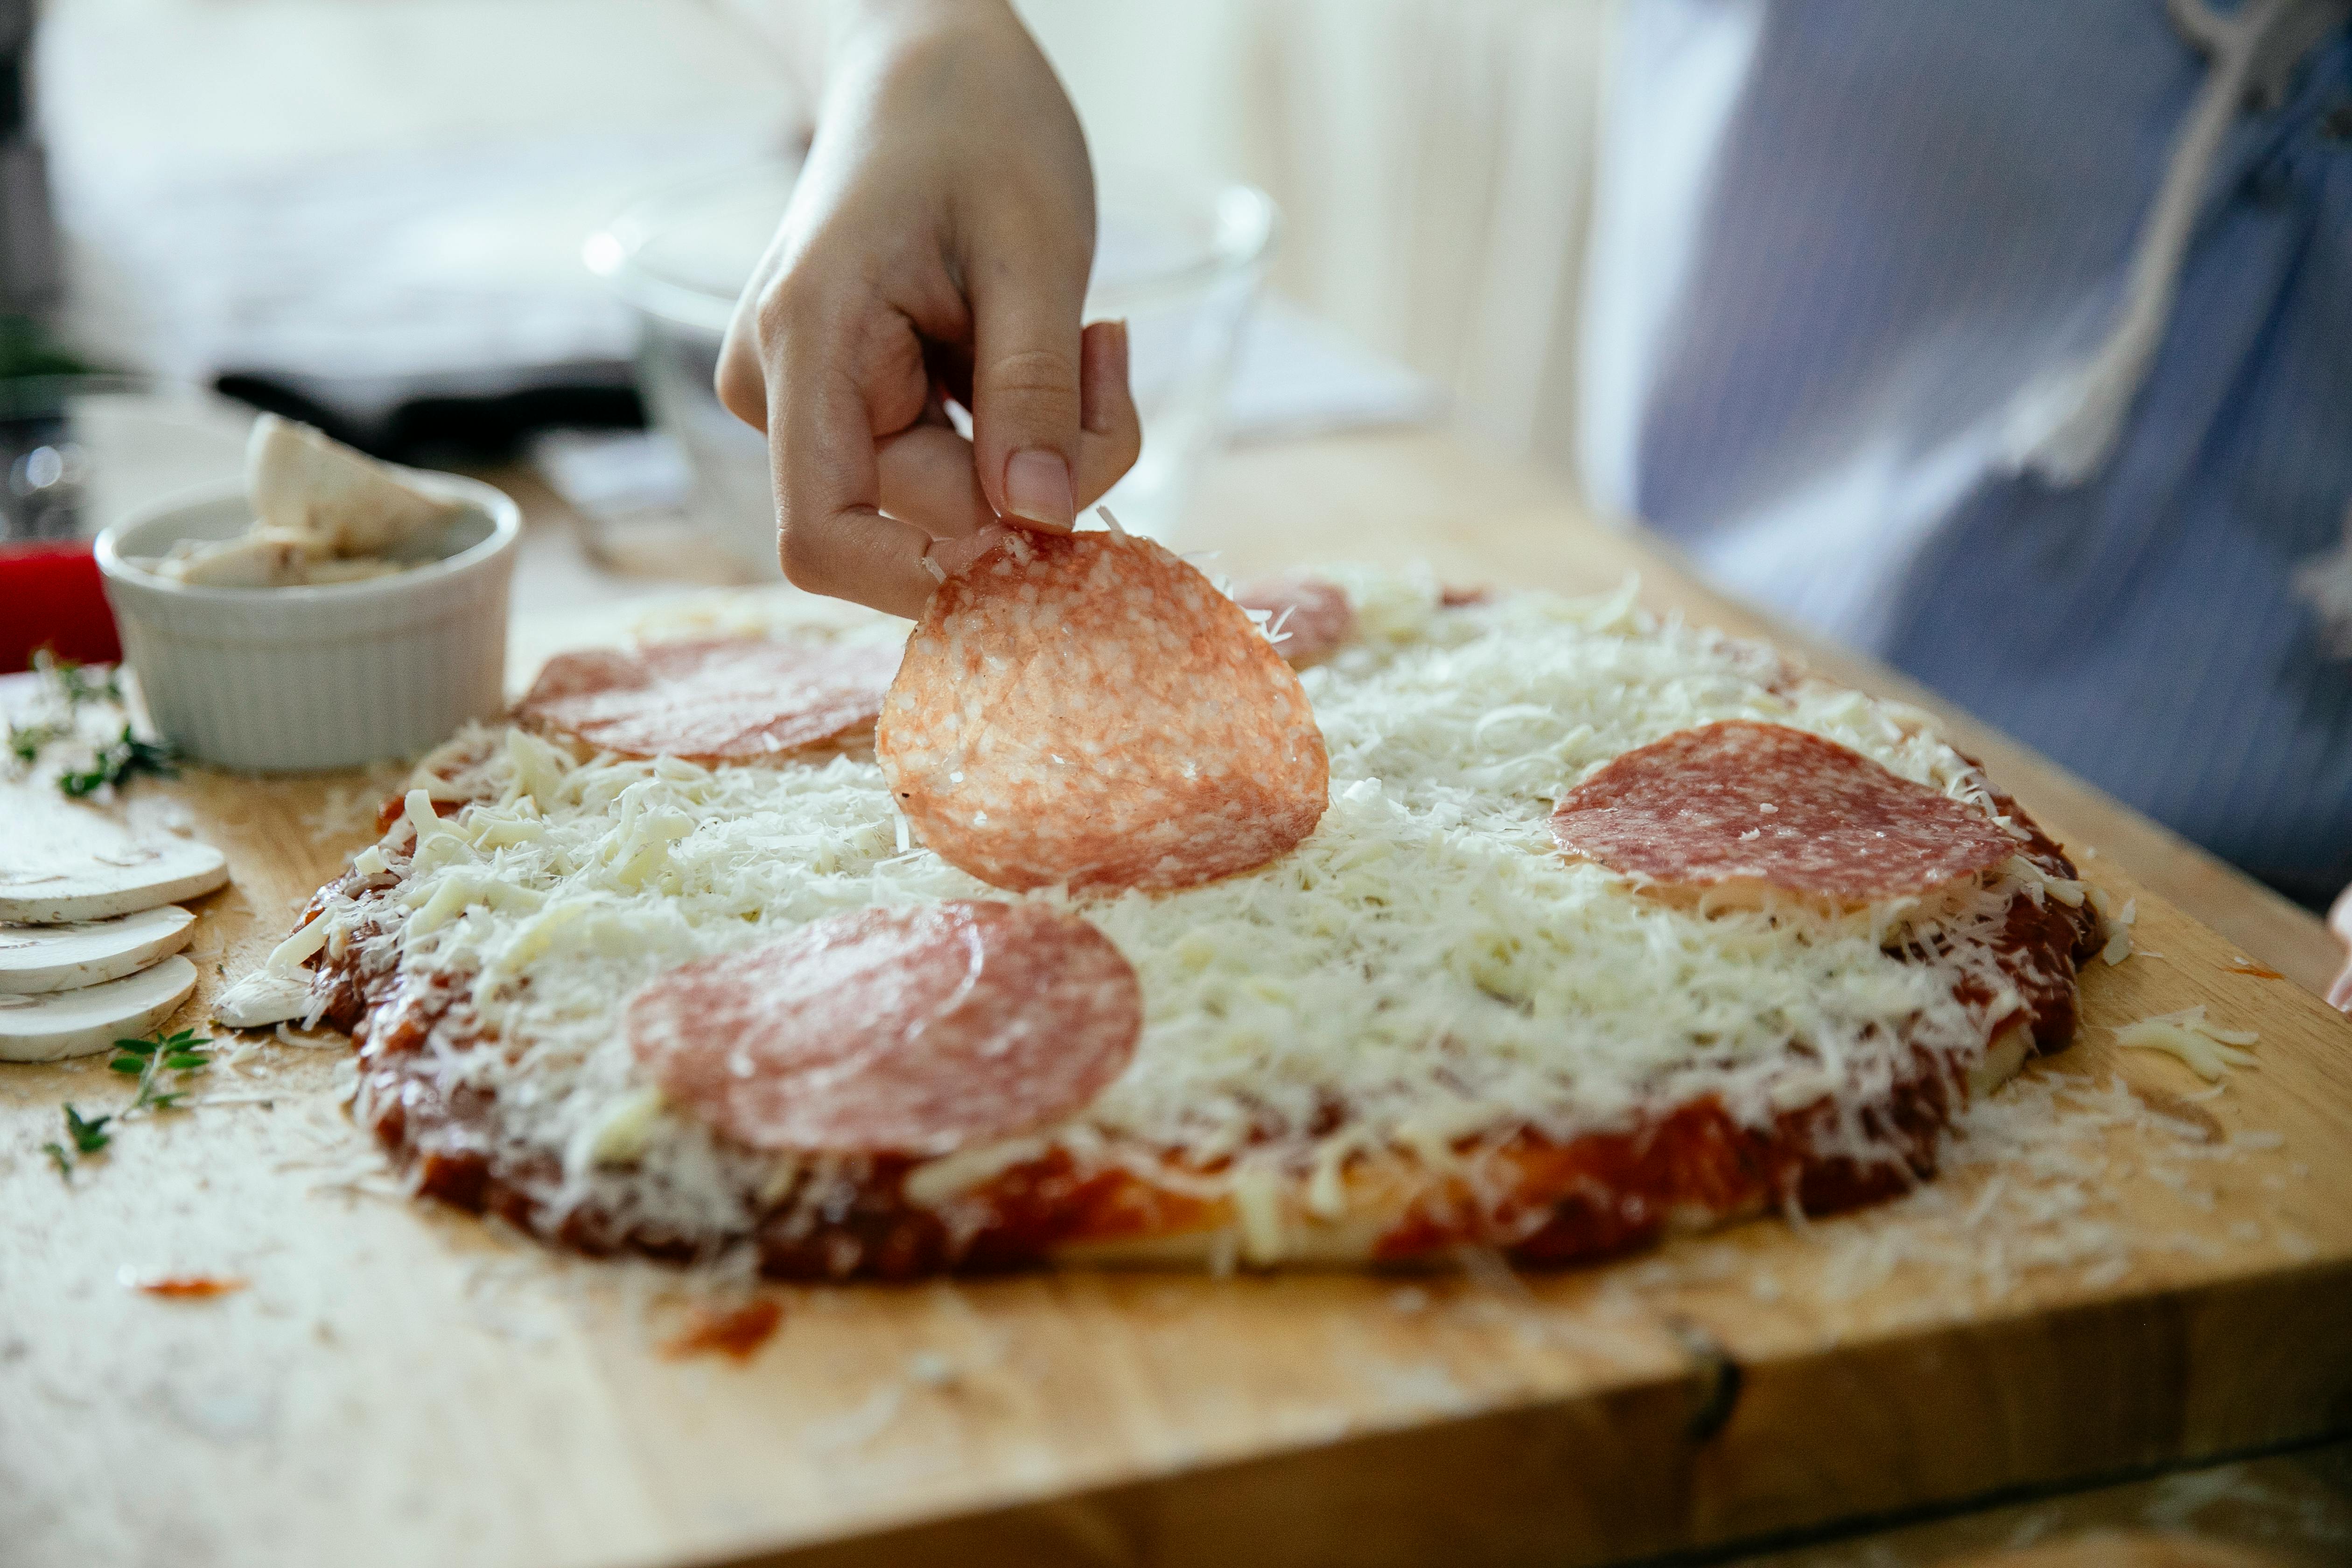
355, 185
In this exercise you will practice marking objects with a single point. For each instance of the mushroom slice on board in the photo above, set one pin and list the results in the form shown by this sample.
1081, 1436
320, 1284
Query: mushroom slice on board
61, 862
34, 959
61, 1023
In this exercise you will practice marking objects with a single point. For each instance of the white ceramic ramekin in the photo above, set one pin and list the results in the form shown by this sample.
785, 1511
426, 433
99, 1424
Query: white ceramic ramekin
283, 679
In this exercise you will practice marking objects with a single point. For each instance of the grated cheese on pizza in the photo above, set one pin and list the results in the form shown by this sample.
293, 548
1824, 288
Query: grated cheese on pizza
1424, 975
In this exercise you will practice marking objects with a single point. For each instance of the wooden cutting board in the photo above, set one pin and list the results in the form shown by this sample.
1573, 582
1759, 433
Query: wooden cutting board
2158, 1275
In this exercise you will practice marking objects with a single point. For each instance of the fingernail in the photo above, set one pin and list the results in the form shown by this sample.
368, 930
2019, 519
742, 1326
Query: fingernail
1037, 489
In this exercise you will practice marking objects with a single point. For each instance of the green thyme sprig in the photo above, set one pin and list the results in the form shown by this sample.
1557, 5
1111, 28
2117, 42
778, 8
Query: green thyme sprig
153, 1061
152, 1058
75, 682
67, 688
27, 739
89, 1137
119, 761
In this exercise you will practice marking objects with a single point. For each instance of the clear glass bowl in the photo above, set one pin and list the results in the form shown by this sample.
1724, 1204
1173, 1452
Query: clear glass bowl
1178, 259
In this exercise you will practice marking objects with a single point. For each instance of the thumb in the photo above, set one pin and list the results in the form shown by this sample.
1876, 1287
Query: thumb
1025, 382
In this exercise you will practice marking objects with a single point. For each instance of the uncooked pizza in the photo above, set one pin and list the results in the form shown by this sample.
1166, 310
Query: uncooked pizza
1116, 916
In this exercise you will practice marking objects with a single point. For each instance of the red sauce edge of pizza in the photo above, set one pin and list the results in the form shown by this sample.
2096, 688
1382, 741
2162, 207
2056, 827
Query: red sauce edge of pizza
1577, 1201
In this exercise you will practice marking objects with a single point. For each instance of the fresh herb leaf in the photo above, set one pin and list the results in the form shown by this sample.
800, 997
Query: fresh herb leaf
81, 686
66, 688
150, 1061
89, 1135
118, 762
152, 1058
27, 739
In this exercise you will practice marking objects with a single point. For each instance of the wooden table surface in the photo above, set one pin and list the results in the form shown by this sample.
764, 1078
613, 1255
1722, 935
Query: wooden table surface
396, 1384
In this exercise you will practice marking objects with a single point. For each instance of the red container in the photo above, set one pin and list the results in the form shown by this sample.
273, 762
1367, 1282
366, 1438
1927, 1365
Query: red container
50, 597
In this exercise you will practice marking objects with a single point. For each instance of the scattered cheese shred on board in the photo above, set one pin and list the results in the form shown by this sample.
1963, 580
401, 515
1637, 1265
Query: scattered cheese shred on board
2119, 928
2046, 1178
1088, 711
2036, 1180
2208, 1050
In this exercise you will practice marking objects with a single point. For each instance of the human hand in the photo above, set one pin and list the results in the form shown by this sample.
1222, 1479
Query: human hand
936, 247
2339, 920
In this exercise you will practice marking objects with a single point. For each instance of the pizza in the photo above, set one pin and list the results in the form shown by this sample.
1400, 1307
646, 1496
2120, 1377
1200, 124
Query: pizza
1114, 916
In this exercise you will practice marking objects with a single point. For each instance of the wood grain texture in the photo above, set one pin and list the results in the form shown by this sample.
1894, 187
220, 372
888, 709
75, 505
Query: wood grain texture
2286, 1510
2119, 1549
396, 1384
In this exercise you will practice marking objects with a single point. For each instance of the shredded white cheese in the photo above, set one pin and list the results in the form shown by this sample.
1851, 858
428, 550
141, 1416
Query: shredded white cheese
2208, 1051
2117, 923
1427, 962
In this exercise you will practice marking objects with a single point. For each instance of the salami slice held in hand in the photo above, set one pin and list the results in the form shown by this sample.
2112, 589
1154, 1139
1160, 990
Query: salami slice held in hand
895, 1031
1088, 711
1739, 802
1308, 619
723, 699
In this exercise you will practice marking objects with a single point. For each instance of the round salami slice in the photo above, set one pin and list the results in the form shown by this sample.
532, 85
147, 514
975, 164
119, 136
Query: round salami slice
1740, 801
1088, 711
1308, 619
725, 700
897, 1031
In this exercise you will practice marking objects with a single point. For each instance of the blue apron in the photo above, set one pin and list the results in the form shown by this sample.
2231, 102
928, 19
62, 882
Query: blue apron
1845, 250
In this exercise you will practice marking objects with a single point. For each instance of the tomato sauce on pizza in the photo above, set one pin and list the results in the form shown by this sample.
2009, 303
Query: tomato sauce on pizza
1506, 919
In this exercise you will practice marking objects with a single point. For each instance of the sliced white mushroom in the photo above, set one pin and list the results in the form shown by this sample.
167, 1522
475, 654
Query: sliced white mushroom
62, 1023
265, 558
304, 481
61, 862
36, 959
264, 997
365, 570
